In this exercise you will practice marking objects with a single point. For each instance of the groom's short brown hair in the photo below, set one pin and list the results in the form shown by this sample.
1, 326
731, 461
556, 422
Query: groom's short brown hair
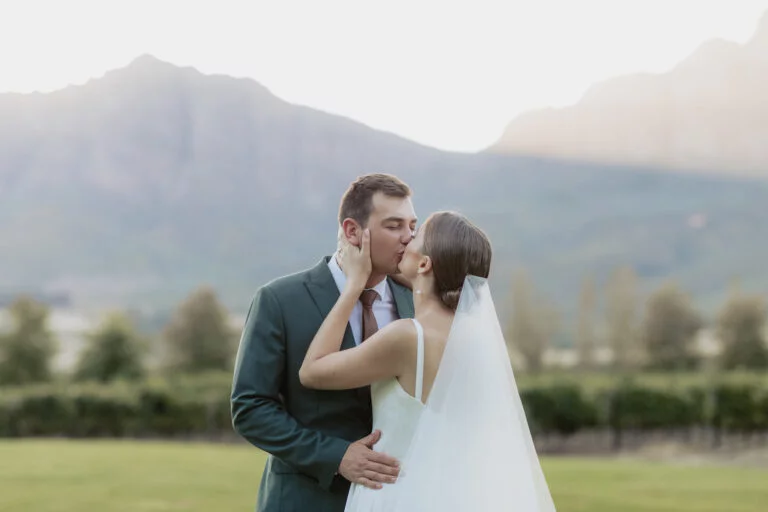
357, 201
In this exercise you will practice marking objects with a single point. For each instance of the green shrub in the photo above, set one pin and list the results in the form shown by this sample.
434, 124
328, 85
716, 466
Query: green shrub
641, 408
184, 405
560, 409
737, 408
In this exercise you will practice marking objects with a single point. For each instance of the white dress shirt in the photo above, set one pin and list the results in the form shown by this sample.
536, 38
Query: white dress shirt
384, 308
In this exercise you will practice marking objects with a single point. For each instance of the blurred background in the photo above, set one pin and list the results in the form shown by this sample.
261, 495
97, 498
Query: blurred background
159, 161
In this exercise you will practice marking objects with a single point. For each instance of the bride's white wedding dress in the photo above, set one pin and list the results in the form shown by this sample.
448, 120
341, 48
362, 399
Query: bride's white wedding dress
395, 414
468, 447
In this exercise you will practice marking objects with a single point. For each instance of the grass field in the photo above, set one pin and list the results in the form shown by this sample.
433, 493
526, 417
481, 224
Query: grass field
116, 476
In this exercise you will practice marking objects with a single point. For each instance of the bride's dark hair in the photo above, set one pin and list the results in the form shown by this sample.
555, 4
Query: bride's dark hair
457, 248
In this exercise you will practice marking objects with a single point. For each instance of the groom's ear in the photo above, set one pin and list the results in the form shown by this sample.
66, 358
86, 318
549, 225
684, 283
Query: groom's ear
352, 231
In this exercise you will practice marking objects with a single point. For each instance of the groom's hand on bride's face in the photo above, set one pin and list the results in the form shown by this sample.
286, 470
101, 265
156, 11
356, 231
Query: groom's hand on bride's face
364, 466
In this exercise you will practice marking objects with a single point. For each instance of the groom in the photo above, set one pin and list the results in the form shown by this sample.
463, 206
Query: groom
320, 441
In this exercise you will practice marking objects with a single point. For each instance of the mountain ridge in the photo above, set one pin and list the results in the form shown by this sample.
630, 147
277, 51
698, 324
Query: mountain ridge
709, 113
141, 185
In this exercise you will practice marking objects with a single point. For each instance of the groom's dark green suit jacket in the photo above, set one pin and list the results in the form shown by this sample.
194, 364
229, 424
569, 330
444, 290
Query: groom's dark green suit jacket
305, 431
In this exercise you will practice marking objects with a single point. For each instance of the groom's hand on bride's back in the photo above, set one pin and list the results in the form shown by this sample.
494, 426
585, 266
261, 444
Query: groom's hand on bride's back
362, 465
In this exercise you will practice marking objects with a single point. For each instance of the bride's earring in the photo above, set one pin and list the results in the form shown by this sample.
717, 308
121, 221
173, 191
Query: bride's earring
417, 292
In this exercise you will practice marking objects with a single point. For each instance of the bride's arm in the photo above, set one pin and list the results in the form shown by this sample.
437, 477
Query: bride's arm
383, 355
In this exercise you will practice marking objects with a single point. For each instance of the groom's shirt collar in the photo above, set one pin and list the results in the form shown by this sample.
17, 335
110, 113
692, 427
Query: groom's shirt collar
338, 276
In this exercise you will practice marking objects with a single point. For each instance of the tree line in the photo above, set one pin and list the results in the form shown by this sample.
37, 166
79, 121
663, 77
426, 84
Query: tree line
197, 338
658, 333
655, 333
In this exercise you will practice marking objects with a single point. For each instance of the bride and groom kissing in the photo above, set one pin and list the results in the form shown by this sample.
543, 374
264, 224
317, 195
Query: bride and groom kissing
378, 380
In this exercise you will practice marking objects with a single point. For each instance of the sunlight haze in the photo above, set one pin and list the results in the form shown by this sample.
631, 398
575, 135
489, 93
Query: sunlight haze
445, 74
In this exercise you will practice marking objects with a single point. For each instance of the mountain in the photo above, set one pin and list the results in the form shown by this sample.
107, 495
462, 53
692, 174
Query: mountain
138, 186
709, 113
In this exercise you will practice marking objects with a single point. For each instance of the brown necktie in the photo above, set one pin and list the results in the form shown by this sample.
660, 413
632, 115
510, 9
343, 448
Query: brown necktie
369, 321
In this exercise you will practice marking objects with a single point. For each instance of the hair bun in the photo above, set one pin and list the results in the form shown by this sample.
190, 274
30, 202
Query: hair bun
451, 298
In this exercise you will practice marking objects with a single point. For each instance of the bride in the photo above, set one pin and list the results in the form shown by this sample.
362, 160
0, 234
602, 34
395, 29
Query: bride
442, 388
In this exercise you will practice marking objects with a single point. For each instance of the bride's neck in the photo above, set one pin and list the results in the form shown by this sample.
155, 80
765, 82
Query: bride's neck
425, 303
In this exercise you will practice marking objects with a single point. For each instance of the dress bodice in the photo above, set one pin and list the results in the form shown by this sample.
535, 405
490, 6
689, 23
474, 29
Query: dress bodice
395, 414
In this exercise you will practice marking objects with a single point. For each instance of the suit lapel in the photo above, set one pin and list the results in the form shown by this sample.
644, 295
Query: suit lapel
403, 299
325, 293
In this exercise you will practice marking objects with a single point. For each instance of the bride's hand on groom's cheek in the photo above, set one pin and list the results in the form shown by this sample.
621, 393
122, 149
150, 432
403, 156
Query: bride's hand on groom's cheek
356, 261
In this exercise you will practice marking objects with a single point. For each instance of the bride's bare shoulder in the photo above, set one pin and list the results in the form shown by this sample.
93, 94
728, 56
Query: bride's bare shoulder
402, 331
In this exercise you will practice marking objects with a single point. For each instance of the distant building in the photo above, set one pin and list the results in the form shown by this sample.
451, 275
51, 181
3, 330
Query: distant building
53, 300
69, 329
707, 346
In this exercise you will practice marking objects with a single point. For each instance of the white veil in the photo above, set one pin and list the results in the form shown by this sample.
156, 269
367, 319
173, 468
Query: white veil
472, 449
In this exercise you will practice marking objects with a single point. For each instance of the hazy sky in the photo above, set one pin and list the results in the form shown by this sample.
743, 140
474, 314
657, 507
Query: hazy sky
449, 74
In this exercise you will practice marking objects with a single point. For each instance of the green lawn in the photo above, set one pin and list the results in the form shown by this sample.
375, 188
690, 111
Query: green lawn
115, 476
